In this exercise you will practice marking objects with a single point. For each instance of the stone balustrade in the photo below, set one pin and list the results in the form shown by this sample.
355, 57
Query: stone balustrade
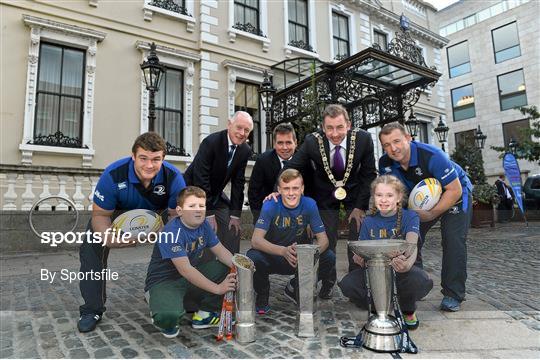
21, 187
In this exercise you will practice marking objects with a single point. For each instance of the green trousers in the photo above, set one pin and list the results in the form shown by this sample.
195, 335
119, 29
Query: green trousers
167, 297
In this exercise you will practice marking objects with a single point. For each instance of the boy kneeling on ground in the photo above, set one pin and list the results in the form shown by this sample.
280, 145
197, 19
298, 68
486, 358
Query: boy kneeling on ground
174, 269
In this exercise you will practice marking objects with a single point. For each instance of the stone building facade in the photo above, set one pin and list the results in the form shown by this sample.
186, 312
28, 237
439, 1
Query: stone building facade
491, 64
74, 67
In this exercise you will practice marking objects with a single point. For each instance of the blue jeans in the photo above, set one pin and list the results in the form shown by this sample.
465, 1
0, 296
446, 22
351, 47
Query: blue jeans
266, 264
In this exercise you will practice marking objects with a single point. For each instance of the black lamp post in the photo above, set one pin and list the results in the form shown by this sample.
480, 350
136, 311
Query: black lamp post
371, 102
153, 71
442, 132
412, 125
512, 146
266, 92
479, 138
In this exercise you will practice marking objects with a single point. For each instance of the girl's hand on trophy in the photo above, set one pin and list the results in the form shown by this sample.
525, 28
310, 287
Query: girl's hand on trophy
400, 264
228, 284
359, 260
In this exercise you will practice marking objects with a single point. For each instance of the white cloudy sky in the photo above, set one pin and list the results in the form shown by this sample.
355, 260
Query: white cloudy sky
439, 4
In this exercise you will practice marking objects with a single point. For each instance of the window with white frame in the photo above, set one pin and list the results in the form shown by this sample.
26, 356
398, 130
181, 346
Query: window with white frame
59, 89
299, 24
340, 36
381, 39
247, 99
174, 100
246, 16
59, 96
169, 111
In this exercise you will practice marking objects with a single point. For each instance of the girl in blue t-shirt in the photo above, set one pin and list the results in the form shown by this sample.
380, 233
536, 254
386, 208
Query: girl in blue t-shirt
388, 220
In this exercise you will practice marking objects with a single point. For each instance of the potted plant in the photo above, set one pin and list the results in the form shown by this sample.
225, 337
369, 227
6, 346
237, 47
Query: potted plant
485, 199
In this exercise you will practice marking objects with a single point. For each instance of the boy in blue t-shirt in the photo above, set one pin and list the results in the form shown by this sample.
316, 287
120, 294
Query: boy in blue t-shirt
174, 269
282, 225
388, 220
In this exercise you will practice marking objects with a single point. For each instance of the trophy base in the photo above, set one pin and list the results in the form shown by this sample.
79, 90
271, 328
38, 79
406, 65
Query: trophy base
380, 342
382, 333
306, 325
245, 333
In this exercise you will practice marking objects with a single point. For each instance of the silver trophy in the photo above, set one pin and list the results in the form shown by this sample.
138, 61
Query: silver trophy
382, 332
307, 266
244, 299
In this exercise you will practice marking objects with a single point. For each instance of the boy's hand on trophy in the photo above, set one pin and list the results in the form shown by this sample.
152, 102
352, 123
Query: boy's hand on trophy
289, 253
400, 264
228, 284
359, 260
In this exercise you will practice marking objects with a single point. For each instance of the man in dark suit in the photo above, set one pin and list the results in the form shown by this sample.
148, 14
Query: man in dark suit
506, 194
223, 157
343, 166
268, 166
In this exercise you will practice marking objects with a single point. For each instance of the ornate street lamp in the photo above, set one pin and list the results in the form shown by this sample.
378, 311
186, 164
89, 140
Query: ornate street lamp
153, 71
512, 146
266, 93
412, 125
479, 138
442, 132
371, 102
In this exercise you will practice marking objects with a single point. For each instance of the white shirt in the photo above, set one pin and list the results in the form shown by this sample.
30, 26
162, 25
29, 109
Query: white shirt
342, 151
282, 160
229, 147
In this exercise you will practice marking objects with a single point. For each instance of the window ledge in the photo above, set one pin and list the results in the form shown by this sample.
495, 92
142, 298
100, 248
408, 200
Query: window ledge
27, 151
181, 159
290, 49
150, 9
234, 32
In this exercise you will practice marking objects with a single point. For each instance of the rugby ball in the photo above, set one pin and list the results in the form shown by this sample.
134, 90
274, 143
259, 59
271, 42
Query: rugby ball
138, 221
425, 195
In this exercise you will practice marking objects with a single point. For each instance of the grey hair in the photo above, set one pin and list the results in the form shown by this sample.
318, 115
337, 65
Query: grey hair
244, 114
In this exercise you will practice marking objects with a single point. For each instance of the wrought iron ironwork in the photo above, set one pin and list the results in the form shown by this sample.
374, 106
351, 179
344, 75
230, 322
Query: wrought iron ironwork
248, 27
58, 139
170, 5
301, 44
385, 83
175, 150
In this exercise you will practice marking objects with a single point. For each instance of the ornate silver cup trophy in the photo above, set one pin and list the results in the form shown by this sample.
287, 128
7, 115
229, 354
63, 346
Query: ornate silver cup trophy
383, 331
307, 267
244, 299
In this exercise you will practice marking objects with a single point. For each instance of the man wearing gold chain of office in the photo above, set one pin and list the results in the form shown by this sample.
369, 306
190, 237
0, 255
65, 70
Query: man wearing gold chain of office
343, 166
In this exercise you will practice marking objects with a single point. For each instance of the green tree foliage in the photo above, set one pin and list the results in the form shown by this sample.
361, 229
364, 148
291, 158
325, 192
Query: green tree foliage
470, 159
528, 146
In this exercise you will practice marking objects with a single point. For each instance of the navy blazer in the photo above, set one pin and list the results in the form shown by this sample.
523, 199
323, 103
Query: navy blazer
209, 171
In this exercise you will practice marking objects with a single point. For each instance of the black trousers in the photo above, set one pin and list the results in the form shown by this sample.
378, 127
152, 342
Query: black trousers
330, 219
411, 287
94, 293
227, 237
455, 223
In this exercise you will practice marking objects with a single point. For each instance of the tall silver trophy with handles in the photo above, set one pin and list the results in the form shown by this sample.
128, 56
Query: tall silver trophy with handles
384, 329
307, 269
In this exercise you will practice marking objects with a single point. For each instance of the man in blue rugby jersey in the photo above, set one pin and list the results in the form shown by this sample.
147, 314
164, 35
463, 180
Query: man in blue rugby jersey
281, 225
140, 181
413, 161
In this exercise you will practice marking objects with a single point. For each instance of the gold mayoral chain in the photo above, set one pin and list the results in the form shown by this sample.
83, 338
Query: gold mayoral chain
340, 193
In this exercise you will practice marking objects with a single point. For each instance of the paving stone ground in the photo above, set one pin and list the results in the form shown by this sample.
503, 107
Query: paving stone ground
501, 317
